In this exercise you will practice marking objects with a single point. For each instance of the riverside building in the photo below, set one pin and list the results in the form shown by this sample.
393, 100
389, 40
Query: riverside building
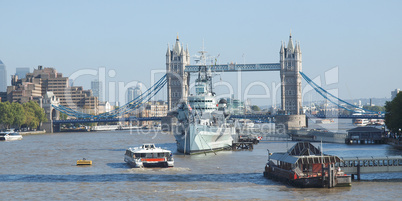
35, 85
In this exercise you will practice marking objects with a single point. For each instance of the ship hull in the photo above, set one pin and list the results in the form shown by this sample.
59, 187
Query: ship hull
203, 138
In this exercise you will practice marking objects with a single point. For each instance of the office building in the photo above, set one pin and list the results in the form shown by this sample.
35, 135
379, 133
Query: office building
21, 72
3, 77
35, 85
394, 93
133, 93
97, 90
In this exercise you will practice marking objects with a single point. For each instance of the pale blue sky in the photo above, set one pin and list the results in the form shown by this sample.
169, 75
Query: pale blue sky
362, 38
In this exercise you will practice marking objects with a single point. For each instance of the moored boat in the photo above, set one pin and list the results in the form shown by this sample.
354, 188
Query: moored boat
305, 166
10, 135
148, 155
361, 122
203, 124
324, 121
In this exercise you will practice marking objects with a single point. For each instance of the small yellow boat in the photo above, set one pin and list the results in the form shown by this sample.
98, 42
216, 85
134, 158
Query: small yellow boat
84, 162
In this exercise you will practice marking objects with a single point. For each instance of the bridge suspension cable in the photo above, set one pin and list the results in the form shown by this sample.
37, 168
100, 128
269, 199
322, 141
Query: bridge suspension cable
128, 107
323, 93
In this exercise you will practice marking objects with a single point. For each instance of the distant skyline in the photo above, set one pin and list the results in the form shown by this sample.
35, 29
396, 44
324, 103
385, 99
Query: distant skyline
3, 77
361, 38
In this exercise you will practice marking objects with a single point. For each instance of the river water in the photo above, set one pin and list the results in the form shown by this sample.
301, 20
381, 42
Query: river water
43, 167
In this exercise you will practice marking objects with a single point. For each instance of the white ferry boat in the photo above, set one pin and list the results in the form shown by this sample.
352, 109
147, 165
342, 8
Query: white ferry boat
105, 128
361, 122
10, 135
148, 155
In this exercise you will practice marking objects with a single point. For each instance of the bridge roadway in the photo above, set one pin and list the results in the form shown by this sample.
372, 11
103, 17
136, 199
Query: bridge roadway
364, 165
264, 116
107, 120
247, 116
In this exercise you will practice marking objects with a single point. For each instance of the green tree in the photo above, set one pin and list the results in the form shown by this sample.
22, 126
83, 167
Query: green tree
63, 116
393, 114
374, 108
34, 114
31, 120
6, 116
18, 112
255, 108
39, 112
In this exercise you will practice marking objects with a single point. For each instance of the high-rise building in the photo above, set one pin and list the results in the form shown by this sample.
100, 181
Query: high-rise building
3, 77
178, 81
21, 72
394, 93
97, 90
133, 93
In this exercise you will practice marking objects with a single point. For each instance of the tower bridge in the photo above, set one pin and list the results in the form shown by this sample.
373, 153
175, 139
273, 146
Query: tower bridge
178, 69
177, 79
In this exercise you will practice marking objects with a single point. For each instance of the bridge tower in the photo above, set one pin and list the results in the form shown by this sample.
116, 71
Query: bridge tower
51, 113
291, 90
291, 64
178, 81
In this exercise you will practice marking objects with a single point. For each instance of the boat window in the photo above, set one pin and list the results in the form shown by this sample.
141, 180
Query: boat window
137, 155
370, 163
345, 164
351, 163
380, 162
143, 155
385, 162
365, 163
395, 162
375, 162
390, 162
400, 162
149, 155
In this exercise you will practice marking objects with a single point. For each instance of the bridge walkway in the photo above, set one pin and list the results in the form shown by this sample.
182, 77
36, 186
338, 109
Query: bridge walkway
367, 165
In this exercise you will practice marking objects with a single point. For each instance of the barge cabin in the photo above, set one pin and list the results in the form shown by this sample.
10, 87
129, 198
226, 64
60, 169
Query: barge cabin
306, 166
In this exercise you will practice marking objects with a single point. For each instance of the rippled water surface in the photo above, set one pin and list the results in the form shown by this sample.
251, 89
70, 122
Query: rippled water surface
43, 167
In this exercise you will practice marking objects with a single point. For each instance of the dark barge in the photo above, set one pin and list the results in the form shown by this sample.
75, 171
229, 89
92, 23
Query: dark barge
305, 166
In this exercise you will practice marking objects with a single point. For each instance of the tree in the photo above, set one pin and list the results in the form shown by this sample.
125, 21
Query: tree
6, 117
255, 108
31, 120
39, 112
18, 112
62, 116
35, 115
374, 108
393, 114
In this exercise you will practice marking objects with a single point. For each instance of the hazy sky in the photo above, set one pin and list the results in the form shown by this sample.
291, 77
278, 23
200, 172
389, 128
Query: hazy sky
361, 38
